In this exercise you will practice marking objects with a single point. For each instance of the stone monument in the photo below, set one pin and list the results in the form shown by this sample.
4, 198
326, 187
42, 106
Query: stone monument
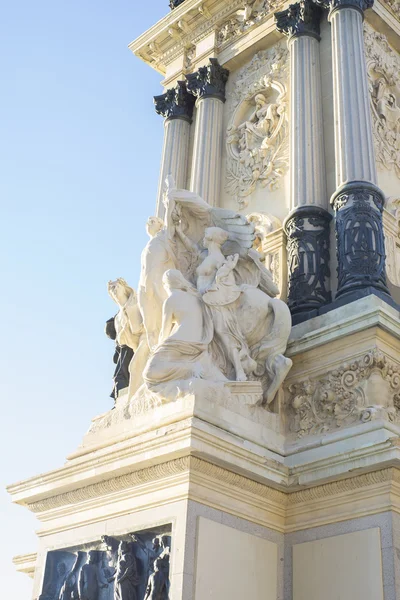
254, 447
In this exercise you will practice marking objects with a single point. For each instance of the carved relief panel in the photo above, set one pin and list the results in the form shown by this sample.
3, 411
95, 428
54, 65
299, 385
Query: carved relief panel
383, 66
270, 242
130, 567
391, 227
257, 137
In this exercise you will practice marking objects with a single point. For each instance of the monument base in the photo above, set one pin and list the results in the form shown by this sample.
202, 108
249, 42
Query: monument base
300, 503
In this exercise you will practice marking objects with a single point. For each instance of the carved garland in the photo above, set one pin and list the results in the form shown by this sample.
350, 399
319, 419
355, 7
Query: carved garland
320, 405
383, 66
258, 133
253, 13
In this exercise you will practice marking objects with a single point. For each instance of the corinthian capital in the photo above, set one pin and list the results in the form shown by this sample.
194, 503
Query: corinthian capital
208, 81
334, 5
302, 18
176, 103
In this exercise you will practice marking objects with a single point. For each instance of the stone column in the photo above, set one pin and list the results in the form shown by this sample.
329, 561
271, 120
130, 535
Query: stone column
208, 85
176, 105
307, 225
358, 201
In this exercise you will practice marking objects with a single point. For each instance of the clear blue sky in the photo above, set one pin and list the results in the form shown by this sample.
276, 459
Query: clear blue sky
80, 146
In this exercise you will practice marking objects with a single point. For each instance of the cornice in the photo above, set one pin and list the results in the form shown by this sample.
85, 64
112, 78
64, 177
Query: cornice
208, 483
178, 33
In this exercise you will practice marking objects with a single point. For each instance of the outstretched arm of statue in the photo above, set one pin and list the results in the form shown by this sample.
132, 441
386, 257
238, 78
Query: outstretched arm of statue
190, 246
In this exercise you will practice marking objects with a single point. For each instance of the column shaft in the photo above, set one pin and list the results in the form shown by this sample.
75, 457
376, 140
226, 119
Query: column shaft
174, 159
207, 151
307, 226
358, 201
354, 150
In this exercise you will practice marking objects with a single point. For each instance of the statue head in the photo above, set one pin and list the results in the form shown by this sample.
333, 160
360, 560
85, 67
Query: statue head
215, 234
120, 291
260, 100
156, 543
174, 280
154, 225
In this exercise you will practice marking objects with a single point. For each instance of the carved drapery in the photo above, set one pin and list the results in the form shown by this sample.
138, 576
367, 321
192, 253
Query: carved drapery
124, 567
257, 140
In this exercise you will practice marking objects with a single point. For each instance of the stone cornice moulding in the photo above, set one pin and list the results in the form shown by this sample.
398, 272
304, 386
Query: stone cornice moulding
25, 563
374, 492
171, 37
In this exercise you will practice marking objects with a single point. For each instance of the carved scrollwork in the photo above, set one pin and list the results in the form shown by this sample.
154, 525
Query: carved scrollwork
257, 136
341, 398
253, 12
383, 65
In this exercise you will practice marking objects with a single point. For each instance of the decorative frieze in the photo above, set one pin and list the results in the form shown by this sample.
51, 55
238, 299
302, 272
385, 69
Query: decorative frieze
176, 103
345, 396
253, 13
257, 137
383, 67
129, 567
307, 231
360, 239
302, 18
208, 81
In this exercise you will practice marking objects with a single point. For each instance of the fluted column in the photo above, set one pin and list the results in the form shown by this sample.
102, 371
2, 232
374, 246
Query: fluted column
176, 105
358, 201
307, 226
208, 86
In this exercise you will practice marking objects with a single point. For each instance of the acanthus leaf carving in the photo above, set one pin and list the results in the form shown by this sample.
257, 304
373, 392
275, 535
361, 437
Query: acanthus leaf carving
258, 133
340, 398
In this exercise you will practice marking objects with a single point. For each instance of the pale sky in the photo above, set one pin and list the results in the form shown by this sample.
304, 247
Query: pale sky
80, 148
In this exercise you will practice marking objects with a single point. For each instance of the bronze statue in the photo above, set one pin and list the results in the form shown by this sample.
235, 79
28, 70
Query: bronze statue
157, 587
126, 577
89, 578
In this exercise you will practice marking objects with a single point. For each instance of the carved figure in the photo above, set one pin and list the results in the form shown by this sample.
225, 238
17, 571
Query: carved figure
129, 329
257, 139
89, 578
157, 257
186, 333
236, 290
157, 586
122, 359
69, 590
126, 576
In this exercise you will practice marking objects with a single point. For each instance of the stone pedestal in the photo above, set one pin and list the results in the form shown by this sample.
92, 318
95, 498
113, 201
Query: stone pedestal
254, 502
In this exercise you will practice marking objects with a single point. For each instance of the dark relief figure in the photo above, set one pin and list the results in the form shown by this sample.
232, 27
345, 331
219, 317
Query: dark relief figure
157, 587
122, 358
89, 578
69, 590
126, 577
